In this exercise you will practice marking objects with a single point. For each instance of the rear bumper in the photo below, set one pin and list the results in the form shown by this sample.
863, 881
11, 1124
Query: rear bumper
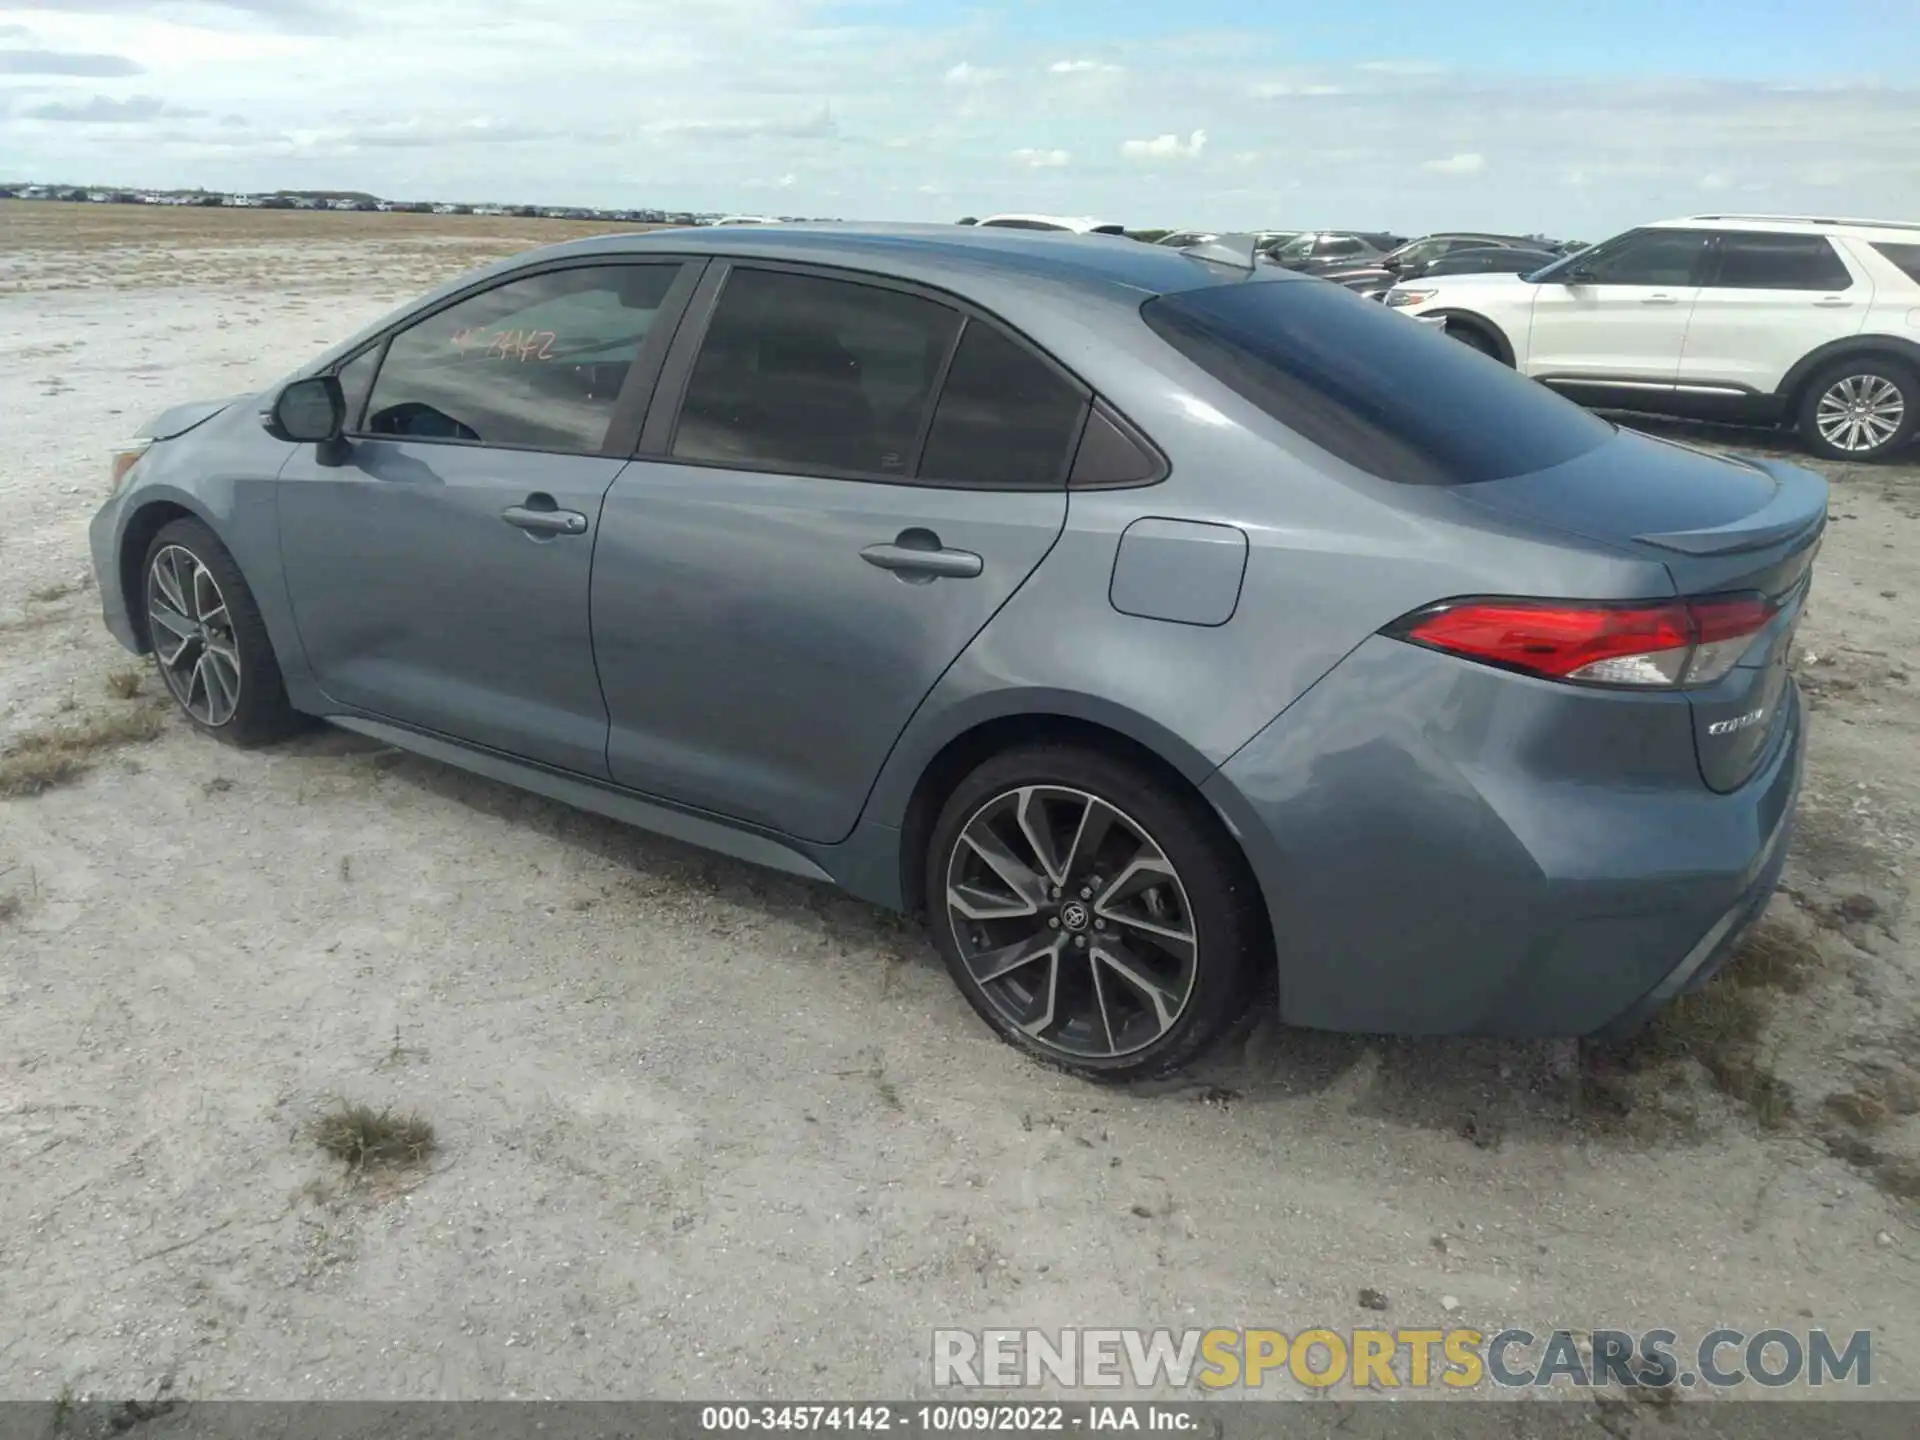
1446, 849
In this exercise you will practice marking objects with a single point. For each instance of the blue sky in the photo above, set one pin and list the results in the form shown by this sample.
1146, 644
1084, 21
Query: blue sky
1572, 118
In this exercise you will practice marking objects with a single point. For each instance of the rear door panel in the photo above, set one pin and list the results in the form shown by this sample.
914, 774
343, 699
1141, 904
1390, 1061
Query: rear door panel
1751, 337
754, 664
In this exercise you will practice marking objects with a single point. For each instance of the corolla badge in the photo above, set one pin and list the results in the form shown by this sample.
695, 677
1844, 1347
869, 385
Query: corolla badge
1738, 722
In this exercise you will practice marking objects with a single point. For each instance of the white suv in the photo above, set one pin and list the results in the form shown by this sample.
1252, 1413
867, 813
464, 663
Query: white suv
1775, 318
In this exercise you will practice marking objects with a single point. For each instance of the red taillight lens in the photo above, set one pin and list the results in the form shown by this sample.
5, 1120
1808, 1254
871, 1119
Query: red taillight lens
1667, 643
1724, 628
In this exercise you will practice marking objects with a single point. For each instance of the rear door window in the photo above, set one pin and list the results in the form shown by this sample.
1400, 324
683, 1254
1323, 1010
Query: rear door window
535, 363
1373, 388
1777, 262
806, 374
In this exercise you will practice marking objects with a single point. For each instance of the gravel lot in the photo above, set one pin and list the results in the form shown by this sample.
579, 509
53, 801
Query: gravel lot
708, 1131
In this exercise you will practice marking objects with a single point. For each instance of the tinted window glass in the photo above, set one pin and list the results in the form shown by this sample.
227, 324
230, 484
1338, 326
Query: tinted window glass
1778, 262
1392, 397
1907, 257
803, 373
1020, 225
1006, 419
1341, 245
1651, 257
535, 362
356, 380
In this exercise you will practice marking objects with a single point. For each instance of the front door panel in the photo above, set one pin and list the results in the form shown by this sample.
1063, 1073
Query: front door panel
1619, 312
1610, 332
418, 600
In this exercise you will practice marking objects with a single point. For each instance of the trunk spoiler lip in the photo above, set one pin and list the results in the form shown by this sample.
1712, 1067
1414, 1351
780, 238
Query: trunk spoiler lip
1783, 518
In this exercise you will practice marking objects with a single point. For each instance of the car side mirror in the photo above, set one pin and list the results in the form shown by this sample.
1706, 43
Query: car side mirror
309, 411
1578, 275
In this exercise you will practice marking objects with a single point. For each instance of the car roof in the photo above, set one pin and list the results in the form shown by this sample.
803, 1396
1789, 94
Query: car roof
944, 256
1907, 231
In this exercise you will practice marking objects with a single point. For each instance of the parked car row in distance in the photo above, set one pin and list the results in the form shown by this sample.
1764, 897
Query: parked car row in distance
1807, 321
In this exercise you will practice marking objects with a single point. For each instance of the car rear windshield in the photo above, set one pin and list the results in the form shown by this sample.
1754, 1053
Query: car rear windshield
1374, 388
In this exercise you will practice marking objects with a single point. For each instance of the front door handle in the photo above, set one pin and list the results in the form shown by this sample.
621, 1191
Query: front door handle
918, 555
545, 520
1833, 302
1659, 300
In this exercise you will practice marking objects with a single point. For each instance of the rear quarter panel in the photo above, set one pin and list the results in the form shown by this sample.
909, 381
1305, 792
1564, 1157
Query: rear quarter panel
1333, 555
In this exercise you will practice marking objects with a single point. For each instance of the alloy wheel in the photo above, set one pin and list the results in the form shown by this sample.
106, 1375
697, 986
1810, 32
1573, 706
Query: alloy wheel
1072, 921
192, 635
1860, 412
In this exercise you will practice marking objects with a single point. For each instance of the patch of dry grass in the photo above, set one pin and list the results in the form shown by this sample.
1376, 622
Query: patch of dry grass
58, 755
364, 1137
125, 684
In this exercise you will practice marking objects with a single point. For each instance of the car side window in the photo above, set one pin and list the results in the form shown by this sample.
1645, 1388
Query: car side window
1340, 245
1905, 258
1778, 262
535, 363
808, 374
356, 383
1007, 420
1649, 257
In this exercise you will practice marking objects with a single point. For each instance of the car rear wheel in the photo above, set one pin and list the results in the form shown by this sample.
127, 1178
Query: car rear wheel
209, 642
1091, 914
1862, 409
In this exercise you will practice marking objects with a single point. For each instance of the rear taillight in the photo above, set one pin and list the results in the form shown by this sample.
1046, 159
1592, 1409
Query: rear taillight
1638, 645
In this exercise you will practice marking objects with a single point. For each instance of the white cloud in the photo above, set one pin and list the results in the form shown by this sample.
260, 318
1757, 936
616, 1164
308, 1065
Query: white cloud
1084, 67
1404, 67
1468, 163
1042, 159
1165, 147
1286, 89
966, 73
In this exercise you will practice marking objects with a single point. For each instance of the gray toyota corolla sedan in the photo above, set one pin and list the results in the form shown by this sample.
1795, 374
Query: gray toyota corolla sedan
1157, 625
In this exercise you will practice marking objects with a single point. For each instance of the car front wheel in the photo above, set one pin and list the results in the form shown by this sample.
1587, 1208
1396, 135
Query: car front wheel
1862, 409
209, 641
1092, 914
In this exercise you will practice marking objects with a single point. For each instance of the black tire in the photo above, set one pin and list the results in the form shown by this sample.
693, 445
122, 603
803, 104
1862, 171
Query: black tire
1474, 338
1213, 898
1865, 376
259, 713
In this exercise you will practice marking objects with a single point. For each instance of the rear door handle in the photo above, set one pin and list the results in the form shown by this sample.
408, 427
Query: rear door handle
544, 519
1833, 302
1659, 300
918, 554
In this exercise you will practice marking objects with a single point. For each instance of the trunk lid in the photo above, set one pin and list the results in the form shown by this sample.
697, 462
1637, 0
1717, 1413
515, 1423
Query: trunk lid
1718, 524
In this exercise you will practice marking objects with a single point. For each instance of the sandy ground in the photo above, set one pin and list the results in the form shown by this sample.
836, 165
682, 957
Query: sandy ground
708, 1131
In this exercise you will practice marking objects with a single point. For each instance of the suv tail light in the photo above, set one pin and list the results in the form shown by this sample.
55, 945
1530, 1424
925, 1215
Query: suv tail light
1638, 645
